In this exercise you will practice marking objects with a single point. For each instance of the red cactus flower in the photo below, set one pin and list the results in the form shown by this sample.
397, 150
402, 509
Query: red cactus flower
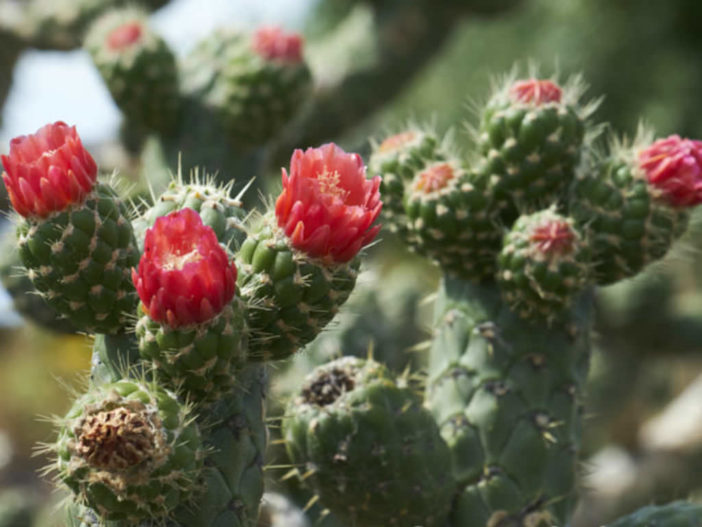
534, 91
674, 166
184, 276
125, 36
48, 171
272, 43
553, 236
327, 205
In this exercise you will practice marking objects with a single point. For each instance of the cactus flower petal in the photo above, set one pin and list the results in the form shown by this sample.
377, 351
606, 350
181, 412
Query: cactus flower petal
674, 166
272, 43
327, 205
534, 91
48, 171
184, 276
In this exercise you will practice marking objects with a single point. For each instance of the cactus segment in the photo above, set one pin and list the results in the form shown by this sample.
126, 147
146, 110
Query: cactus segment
506, 396
26, 300
252, 94
543, 266
217, 209
80, 259
676, 514
450, 219
138, 67
200, 360
530, 136
372, 452
130, 451
627, 224
290, 296
397, 160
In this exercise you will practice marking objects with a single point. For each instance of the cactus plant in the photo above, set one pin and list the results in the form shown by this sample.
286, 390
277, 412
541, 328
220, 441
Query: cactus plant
171, 429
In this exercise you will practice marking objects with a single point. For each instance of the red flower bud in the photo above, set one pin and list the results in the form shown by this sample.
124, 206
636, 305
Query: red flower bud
48, 171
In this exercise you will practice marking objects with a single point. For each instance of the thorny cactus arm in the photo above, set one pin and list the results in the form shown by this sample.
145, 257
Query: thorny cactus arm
510, 354
171, 429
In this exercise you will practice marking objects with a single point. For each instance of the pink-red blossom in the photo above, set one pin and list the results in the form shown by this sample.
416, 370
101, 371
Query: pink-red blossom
674, 166
272, 43
534, 91
327, 206
48, 171
184, 275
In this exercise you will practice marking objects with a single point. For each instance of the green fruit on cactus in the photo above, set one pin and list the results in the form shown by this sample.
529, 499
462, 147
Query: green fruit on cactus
75, 237
138, 67
543, 266
25, 298
190, 329
677, 514
130, 451
530, 136
253, 84
397, 160
222, 213
300, 266
450, 219
632, 204
506, 394
368, 447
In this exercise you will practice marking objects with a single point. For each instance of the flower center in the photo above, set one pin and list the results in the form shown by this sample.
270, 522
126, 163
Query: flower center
434, 178
329, 184
178, 259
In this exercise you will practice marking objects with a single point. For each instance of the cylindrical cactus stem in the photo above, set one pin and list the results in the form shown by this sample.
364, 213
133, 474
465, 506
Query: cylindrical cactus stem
138, 67
300, 266
191, 328
252, 84
632, 204
506, 393
368, 448
75, 237
130, 451
677, 514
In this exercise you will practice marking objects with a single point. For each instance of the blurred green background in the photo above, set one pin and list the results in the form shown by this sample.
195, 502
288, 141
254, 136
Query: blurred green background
644, 423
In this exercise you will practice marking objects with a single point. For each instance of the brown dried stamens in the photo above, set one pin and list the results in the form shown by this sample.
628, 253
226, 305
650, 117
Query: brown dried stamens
328, 386
116, 439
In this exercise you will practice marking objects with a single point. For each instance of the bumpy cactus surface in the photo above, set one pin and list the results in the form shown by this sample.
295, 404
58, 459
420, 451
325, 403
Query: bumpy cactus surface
190, 301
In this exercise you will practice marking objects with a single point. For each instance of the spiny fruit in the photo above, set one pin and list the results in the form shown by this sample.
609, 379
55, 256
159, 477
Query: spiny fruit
301, 265
138, 68
252, 83
130, 451
632, 204
530, 136
397, 160
543, 265
451, 219
74, 238
190, 329
368, 447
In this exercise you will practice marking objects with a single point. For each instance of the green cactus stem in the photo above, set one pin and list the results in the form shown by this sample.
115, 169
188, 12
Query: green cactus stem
368, 447
506, 394
677, 514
